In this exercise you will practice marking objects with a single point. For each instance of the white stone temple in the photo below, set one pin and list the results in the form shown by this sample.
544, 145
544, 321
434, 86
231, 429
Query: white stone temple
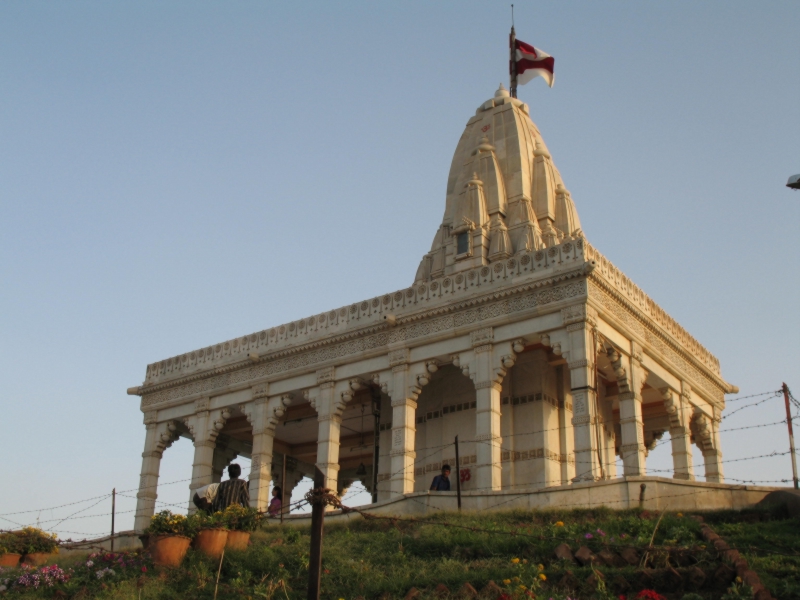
516, 335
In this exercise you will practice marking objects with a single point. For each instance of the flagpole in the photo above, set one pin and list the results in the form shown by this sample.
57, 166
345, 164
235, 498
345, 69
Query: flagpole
512, 58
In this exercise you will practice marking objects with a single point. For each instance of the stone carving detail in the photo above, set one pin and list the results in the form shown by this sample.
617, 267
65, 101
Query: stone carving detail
482, 336
260, 390
398, 357
636, 325
326, 375
579, 313
269, 367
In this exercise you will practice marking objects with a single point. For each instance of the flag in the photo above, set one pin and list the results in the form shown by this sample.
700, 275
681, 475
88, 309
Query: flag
532, 62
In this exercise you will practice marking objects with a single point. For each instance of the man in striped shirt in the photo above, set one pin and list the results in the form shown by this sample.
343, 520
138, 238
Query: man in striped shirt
232, 491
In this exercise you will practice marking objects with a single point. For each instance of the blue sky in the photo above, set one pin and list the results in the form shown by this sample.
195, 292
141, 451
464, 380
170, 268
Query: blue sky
177, 174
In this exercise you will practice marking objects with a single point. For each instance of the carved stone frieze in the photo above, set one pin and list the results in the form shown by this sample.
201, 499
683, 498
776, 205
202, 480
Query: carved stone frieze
398, 357
578, 313
307, 359
636, 325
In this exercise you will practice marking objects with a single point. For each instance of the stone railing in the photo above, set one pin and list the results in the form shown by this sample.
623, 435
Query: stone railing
643, 302
401, 305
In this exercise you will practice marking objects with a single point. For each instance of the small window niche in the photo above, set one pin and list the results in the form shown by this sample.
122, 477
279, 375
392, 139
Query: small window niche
462, 243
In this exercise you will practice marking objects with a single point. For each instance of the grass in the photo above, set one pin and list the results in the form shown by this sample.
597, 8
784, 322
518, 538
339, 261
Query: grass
385, 558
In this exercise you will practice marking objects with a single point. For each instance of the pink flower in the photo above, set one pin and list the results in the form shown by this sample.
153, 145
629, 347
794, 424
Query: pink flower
588, 536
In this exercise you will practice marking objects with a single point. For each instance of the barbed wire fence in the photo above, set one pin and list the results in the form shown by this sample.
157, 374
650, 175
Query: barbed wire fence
54, 524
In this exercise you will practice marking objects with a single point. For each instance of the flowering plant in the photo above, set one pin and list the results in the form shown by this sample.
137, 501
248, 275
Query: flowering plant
43, 577
239, 518
29, 540
203, 520
167, 523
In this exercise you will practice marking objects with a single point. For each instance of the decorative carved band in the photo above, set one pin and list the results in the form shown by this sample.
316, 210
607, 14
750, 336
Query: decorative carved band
304, 358
408, 453
326, 375
484, 348
582, 420
632, 448
399, 368
578, 313
579, 364
407, 402
480, 385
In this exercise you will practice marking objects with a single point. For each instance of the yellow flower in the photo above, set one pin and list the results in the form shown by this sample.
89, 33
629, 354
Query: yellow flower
559, 523
542, 576
506, 581
515, 579
522, 587
738, 580
515, 561
540, 567
680, 514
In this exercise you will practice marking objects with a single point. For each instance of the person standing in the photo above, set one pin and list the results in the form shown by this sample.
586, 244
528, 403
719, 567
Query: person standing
274, 508
232, 491
441, 483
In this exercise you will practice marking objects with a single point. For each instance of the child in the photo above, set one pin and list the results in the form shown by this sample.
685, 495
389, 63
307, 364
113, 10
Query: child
274, 508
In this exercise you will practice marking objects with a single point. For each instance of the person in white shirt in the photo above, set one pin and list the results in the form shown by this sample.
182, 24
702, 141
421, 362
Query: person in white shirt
204, 497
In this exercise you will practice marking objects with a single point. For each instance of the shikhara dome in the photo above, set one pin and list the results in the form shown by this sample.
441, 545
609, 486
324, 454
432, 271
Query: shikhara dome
504, 194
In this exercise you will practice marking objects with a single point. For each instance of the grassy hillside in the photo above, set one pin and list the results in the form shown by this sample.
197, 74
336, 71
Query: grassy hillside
385, 558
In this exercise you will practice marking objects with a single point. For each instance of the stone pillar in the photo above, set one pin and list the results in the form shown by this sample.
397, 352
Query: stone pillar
204, 426
329, 404
580, 323
677, 407
631, 377
487, 373
263, 414
707, 438
158, 438
566, 435
404, 392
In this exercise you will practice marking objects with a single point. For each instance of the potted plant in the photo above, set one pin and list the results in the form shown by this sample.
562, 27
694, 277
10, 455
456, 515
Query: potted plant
35, 545
169, 538
9, 555
212, 534
241, 522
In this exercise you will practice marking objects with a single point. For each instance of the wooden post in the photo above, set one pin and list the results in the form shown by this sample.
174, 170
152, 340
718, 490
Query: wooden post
785, 389
458, 476
114, 512
283, 485
315, 554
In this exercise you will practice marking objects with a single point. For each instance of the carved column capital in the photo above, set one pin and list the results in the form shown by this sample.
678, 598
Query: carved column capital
482, 337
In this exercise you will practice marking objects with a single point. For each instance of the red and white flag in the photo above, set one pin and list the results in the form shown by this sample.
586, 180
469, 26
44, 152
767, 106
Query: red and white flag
532, 62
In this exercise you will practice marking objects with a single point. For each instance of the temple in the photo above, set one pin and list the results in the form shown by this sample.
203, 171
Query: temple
516, 335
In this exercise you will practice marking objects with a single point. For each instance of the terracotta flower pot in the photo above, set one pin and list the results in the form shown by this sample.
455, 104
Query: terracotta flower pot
168, 550
36, 558
237, 540
211, 542
9, 559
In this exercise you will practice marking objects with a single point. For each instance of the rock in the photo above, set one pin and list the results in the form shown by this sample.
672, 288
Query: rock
620, 585
491, 591
762, 594
592, 580
741, 566
441, 591
413, 593
731, 556
612, 559
563, 552
467, 591
568, 581
696, 577
585, 556
631, 556
724, 575
751, 578
720, 545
